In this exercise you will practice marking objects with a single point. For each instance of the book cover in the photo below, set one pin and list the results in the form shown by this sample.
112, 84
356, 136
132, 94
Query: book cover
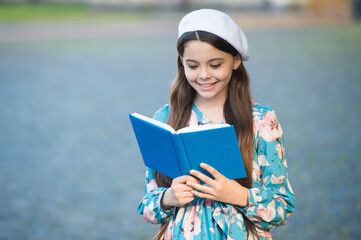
175, 153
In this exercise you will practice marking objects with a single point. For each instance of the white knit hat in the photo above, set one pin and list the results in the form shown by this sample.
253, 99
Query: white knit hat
219, 24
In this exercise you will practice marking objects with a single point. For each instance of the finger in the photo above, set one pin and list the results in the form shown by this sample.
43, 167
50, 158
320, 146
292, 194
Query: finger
192, 179
182, 179
180, 197
186, 188
211, 170
203, 195
188, 194
202, 188
187, 200
181, 187
202, 177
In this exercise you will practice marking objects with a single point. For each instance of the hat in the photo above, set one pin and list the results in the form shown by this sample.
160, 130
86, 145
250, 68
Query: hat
218, 23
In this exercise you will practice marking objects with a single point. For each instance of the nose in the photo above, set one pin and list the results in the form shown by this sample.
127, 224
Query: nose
205, 73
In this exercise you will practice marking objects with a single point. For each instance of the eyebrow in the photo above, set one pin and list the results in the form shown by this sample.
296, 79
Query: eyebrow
213, 59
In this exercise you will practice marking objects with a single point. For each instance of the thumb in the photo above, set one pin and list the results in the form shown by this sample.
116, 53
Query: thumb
181, 179
193, 179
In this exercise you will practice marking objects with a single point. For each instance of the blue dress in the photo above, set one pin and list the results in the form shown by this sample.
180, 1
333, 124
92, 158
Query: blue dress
270, 202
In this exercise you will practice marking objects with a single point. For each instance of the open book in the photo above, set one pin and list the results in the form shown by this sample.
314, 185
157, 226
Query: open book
175, 153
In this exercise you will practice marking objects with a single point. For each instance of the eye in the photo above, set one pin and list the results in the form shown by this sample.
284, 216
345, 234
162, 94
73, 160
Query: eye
215, 66
192, 66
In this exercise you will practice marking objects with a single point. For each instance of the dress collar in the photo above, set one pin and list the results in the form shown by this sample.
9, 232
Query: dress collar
202, 119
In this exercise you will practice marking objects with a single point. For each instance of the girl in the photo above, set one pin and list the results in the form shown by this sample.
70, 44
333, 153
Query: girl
212, 86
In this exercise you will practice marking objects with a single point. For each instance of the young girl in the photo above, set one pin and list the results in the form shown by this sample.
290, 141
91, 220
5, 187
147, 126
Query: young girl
212, 86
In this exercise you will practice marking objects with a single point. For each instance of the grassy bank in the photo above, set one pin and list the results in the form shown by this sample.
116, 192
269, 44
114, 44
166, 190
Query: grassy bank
40, 12
19, 12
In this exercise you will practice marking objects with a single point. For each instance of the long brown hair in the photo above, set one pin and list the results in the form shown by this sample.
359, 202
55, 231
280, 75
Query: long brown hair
237, 108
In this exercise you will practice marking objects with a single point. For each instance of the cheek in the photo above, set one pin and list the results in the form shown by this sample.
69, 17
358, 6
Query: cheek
191, 76
223, 75
228, 73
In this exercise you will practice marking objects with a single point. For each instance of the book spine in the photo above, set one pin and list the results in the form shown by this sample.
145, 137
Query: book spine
181, 154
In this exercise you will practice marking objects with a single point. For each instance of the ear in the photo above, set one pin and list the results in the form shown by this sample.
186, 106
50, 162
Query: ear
236, 61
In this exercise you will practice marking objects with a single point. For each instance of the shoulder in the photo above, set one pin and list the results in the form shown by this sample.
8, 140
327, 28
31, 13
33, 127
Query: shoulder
162, 113
265, 122
260, 111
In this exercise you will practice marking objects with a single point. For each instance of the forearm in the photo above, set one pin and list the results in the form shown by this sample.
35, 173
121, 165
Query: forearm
268, 209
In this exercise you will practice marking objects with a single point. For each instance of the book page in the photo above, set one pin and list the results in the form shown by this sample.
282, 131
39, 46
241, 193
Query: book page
202, 128
155, 122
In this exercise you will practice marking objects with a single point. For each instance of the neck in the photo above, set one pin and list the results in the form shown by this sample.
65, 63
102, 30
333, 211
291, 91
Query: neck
210, 103
213, 110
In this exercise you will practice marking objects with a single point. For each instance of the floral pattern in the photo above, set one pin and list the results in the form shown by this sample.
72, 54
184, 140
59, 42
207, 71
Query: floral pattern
270, 202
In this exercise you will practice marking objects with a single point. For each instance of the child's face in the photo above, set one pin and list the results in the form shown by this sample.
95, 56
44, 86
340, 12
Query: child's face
208, 70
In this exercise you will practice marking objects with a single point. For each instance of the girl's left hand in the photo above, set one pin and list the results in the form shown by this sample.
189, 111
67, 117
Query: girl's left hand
220, 188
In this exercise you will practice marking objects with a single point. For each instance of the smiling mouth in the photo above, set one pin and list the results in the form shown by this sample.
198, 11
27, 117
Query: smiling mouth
207, 85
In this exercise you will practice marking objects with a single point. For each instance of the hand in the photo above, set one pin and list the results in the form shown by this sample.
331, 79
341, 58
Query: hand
220, 188
179, 192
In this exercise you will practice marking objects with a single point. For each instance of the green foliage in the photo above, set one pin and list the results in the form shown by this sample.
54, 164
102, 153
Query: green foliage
45, 12
20, 12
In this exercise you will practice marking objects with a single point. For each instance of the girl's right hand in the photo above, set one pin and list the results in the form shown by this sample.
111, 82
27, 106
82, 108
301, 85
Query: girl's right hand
179, 193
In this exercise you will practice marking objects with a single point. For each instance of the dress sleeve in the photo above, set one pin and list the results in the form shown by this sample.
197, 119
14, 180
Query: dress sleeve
150, 207
271, 199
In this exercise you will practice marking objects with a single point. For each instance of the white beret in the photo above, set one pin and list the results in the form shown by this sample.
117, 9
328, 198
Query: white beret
218, 23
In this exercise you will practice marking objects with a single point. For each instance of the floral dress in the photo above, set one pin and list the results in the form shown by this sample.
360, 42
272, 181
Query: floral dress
270, 202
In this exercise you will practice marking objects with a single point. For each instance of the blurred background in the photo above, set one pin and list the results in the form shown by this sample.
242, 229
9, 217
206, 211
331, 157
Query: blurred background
71, 71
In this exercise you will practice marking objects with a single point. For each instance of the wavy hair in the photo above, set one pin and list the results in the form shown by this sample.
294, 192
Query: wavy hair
237, 108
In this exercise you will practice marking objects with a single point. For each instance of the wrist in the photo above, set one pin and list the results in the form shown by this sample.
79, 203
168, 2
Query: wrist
244, 197
164, 201
241, 197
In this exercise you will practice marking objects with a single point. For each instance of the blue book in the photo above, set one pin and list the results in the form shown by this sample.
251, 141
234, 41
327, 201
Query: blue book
175, 153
